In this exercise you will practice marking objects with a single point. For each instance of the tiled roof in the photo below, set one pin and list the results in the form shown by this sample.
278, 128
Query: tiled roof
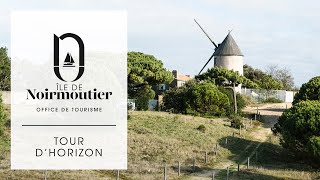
182, 77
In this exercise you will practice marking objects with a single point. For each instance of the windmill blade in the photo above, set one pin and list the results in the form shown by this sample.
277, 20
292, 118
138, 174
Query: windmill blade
206, 33
206, 63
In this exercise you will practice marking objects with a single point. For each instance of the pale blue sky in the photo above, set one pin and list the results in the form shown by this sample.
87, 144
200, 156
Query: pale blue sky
285, 32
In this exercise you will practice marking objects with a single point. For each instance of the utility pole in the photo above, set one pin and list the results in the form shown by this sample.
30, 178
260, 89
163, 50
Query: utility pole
235, 98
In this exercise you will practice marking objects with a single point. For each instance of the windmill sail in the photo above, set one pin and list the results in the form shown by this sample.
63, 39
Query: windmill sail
206, 64
215, 45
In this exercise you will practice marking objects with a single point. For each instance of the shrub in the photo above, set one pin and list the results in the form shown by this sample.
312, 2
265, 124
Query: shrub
236, 121
142, 103
201, 128
197, 98
241, 103
247, 100
272, 100
175, 100
299, 127
5, 64
309, 91
206, 99
3, 117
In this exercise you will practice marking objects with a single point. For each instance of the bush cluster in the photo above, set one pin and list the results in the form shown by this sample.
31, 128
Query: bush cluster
197, 98
142, 103
241, 102
300, 128
247, 99
3, 117
309, 91
272, 100
236, 121
201, 128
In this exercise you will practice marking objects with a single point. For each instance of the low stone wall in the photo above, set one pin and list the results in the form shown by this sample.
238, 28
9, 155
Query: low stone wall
6, 97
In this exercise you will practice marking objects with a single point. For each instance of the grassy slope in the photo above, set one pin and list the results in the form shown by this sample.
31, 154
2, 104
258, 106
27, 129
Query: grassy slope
157, 138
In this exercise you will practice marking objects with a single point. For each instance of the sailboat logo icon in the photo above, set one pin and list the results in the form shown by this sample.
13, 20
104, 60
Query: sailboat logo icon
68, 62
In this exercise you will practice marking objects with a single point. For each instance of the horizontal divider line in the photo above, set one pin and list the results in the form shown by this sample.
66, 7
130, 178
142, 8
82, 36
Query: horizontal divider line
69, 125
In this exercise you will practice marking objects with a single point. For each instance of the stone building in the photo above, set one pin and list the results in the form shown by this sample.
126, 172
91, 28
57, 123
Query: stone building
179, 79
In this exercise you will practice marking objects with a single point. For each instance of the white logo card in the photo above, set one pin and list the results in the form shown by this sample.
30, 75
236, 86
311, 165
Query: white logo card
69, 90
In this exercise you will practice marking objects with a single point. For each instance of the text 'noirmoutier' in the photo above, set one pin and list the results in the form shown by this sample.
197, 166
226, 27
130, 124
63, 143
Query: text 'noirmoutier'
65, 95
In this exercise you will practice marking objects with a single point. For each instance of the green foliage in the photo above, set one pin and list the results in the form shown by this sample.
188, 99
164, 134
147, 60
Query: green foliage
263, 80
201, 128
309, 91
272, 100
205, 98
142, 103
241, 103
224, 77
236, 121
4, 70
268, 83
3, 117
197, 98
253, 74
175, 99
247, 99
283, 75
300, 128
144, 71
314, 146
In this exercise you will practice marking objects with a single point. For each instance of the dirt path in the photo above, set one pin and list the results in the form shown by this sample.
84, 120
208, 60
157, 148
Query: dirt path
270, 114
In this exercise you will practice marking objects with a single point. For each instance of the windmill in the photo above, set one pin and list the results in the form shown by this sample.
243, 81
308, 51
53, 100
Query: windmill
226, 54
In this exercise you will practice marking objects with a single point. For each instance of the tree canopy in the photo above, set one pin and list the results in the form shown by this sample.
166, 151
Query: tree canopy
282, 75
309, 91
224, 77
144, 71
4, 69
268, 83
262, 79
299, 127
253, 74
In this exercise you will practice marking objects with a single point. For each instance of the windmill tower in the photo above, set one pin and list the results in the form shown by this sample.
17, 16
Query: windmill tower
227, 54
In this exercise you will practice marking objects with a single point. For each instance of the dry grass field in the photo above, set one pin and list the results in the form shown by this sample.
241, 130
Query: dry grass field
156, 139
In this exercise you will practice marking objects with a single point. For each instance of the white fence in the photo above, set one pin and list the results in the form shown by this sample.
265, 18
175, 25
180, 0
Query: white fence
261, 94
151, 106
